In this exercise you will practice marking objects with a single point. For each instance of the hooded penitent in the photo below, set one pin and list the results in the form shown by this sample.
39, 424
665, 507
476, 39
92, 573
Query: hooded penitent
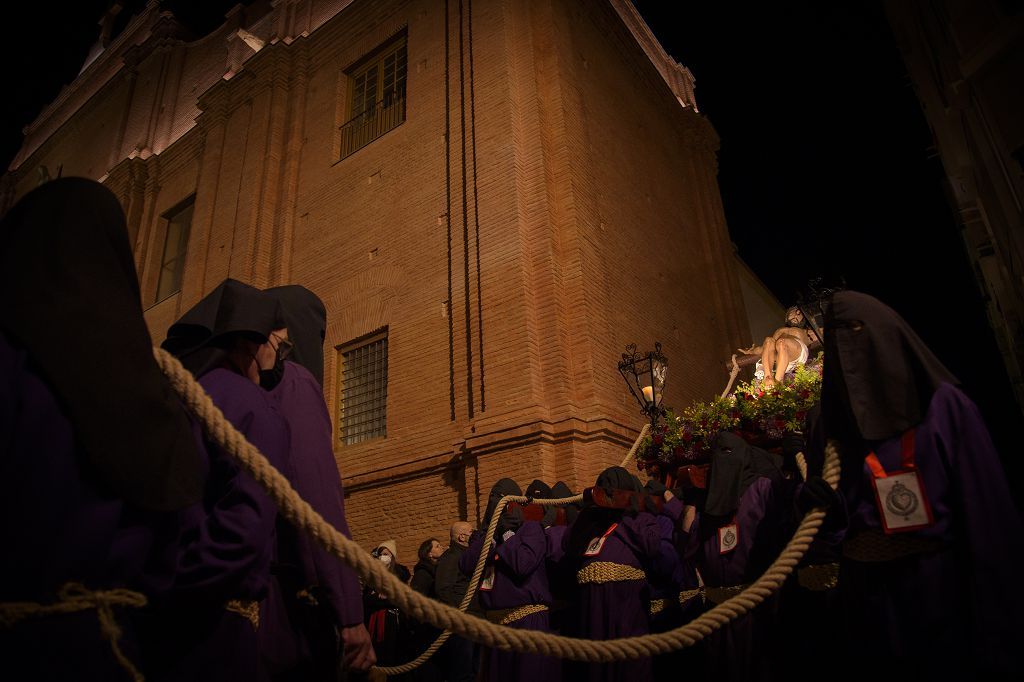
232, 309
66, 268
735, 465
539, 490
879, 377
511, 517
592, 521
561, 490
306, 318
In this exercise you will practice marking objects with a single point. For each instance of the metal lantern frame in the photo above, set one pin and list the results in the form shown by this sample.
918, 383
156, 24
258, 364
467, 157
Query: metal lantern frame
643, 370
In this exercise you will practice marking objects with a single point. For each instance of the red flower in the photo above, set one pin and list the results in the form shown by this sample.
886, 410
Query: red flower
658, 439
800, 415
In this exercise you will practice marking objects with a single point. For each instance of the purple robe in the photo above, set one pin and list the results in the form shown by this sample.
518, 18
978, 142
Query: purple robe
621, 609
290, 633
520, 578
961, 599
57, 525
226, 551
744, 648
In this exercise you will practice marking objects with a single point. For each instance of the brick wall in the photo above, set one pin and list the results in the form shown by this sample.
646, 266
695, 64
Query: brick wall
544, 203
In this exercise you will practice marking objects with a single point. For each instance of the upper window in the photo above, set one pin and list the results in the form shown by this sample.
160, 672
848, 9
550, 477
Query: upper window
363, 389
376, 96
172, 262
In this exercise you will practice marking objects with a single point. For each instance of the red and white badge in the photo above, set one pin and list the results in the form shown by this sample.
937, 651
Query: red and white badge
595, 546
728, 538
900, 495
487, 582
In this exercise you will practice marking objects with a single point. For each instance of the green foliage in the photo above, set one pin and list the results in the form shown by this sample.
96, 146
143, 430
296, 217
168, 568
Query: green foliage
760, 411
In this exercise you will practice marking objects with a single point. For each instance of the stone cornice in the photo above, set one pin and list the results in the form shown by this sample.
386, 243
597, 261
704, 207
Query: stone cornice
494, 442
678, 78
150, 29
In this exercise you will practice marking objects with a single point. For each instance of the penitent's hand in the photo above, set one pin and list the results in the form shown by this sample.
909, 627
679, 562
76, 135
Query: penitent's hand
356, 648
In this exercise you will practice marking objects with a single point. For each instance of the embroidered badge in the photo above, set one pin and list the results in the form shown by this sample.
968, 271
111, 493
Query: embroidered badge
728, 538
595, 546
900, 502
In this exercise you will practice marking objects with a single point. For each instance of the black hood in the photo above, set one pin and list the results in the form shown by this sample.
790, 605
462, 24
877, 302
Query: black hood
504, 486
878, 376
232, 309
72, 300
306, 318
735, 465
561, 490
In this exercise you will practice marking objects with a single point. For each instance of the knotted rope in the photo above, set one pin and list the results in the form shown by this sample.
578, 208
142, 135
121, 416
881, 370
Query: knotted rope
732, 377
298, 511
74, 597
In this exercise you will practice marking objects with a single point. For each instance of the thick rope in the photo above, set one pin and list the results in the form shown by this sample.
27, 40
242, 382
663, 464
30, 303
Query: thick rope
732, 377
298, 511
75, 597
474, 580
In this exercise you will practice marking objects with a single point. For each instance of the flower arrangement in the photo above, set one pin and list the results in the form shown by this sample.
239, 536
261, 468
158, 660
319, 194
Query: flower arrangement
759, 412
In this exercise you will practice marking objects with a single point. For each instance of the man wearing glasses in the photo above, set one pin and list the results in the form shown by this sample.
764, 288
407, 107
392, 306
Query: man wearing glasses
322, 618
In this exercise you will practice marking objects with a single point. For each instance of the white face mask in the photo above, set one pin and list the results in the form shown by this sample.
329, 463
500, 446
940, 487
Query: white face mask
386, 558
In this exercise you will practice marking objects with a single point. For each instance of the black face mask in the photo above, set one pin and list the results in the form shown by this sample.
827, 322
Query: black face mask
270, 378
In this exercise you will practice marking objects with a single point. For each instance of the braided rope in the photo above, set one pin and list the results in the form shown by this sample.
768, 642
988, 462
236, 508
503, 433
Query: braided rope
75, 597
298, 511
608, 572
732, 377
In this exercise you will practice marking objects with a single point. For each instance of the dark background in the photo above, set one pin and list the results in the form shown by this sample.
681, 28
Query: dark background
826, 165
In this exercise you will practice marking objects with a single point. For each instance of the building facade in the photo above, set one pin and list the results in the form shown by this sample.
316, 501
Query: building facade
492, 197
966, 61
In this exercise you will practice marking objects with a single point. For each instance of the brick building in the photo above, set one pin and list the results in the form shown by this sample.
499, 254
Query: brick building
492, 198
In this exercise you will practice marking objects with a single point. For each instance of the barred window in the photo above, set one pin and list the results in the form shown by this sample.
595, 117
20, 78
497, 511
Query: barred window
376, 96
363, 389
172, 262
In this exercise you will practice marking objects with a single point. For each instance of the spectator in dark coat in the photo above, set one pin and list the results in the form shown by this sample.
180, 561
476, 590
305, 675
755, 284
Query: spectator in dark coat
457, 656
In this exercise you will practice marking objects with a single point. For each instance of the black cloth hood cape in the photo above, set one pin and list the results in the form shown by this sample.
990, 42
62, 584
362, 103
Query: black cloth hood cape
560, 490
200, 336
73, 302
504, 486
306, 318
539, 490
735, 466
878, 376
592, 520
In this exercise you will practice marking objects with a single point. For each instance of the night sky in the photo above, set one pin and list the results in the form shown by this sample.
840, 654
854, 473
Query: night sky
825, 169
